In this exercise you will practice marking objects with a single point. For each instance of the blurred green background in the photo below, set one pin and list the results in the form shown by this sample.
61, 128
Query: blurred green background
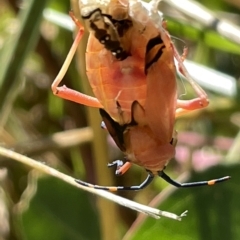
68, 137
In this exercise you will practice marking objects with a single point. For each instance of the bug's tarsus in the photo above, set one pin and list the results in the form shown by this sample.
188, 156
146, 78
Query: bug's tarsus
103, 125
122, 166
164, 176
118, 164
144, 184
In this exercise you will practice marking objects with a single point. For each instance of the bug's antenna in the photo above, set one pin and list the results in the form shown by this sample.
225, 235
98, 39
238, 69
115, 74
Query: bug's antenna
164, 176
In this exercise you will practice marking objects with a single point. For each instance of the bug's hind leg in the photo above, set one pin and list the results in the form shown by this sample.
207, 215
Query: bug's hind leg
144, 184
191, 184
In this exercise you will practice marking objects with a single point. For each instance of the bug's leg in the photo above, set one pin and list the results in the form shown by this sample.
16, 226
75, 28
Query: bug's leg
144, 184
118, 163
67, 93
184, 106
184, 54
191, 184
188, 105
166, 38
103, 125
122, 167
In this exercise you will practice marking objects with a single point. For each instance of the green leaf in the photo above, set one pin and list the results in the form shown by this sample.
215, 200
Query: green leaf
19, 46
59, 211
196, 33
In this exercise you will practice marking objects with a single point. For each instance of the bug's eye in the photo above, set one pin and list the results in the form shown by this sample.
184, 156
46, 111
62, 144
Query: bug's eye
119, 53
105, 39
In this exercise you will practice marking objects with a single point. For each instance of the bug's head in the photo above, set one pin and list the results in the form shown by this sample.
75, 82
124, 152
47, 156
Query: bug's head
109, 23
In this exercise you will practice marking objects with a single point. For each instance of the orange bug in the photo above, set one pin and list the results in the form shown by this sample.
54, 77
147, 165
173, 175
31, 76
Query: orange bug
130, 66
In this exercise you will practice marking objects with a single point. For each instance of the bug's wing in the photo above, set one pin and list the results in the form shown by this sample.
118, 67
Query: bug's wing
161, 97
114, 129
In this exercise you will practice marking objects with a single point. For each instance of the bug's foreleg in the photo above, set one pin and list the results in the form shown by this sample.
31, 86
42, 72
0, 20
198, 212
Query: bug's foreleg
67, 93
191, 184
144, 184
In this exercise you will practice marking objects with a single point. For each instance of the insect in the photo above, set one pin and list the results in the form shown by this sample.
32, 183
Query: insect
130, 67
